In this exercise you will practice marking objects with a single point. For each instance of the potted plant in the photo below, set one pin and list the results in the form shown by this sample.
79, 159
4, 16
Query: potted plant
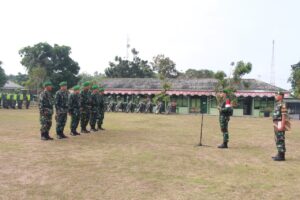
267, 111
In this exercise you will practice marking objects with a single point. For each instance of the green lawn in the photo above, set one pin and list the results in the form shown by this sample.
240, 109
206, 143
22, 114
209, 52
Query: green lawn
144, 156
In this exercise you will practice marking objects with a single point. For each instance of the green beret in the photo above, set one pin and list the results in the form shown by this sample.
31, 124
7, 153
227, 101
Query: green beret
47, 83
101, 89
87, 83
95, 87
64, 83
76, 87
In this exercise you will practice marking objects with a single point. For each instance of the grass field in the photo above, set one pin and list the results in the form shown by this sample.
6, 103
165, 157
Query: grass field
143, 156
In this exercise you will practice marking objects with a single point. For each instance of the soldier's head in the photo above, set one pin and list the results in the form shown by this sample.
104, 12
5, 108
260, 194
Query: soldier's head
63, 86
76, 89
47, 86
95, 89
86, 85
279, 96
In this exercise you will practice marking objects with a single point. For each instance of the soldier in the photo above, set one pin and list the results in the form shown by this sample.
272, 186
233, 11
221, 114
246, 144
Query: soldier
46, 110
20, 99
74, 109
28, 99
279, 121
94, 107
101, 109
225, 111
61, 106
85, 107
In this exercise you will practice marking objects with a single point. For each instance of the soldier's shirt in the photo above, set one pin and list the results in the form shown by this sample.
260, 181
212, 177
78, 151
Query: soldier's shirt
46, 102
61, 101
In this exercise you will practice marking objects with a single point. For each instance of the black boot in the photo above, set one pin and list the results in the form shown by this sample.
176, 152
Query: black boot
63, 135
76, 133
43, 136
223, 146
100, 128
93, 129
60, 135
279, 157
73, 133
47, 136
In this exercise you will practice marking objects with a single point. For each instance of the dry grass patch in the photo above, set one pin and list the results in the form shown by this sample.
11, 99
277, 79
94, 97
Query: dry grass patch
143, 156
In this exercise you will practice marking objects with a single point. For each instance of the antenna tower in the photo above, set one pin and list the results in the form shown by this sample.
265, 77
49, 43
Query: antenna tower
272, 78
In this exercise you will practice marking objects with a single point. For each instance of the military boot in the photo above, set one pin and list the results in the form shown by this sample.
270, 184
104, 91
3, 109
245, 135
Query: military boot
76, 133
100, 128
93, 129
43, 136
279, 157
223, 146
73, 133
47, 136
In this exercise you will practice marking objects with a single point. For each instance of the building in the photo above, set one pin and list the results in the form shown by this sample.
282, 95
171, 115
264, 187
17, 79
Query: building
11, 86
193, 95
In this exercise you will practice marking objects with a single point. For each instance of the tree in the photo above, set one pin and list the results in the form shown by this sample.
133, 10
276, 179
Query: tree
3, 77
55, 60
165, 67
137, 68
20, 78
36, 78
202, 73
294, 79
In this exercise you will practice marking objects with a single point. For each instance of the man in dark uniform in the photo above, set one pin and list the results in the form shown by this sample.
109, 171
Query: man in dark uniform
225, 111
74, 109
85, 107
94, 107
61, 106
28, 99
46, 110
279, 121
101, 109
20, 98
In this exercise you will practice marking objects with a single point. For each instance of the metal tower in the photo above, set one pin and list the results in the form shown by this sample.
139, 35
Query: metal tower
127, 47
272, 77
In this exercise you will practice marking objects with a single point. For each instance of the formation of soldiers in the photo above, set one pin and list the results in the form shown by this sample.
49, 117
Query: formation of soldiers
13, 100
280, 122
138, 105
84, 105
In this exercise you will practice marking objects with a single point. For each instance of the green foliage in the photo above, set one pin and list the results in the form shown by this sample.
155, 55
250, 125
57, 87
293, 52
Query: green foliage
55, 60
96, 78
137, 68
294, 79
241, 69
20, 78
164, 66
163, 96
202, 73
3, 77
37, 76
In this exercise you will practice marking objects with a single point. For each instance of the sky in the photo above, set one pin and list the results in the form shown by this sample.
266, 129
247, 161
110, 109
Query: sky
198, 34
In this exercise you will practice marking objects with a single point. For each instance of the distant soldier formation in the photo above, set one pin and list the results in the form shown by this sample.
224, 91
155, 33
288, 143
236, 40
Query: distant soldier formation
15, 99
84, 107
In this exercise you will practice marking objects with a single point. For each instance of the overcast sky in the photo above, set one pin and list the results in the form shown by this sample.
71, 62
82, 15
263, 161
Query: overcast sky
199, 34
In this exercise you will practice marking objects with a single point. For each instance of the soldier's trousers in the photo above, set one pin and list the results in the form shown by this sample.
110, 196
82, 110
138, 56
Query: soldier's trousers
224, 127
280, 141
20, 104
46, 122
27, 104
100, 118
93, 118
84, 119
61, 119
75, 118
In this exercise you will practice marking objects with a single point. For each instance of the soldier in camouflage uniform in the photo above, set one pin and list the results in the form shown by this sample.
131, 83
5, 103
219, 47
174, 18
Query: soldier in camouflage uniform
101, 109
61, 106
74, 109
225, 111
279, 134
46, 110
94, 107
85, 107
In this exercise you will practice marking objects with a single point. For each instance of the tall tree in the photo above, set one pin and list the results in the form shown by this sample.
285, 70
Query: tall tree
55, 60
122, 68
165, 67
294, 79
36, 78
3, 77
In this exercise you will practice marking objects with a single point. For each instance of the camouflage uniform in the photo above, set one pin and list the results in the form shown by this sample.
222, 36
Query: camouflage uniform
84, 109
74, 110
224, 117
101, 111
46, 112
94, 110
61, 106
